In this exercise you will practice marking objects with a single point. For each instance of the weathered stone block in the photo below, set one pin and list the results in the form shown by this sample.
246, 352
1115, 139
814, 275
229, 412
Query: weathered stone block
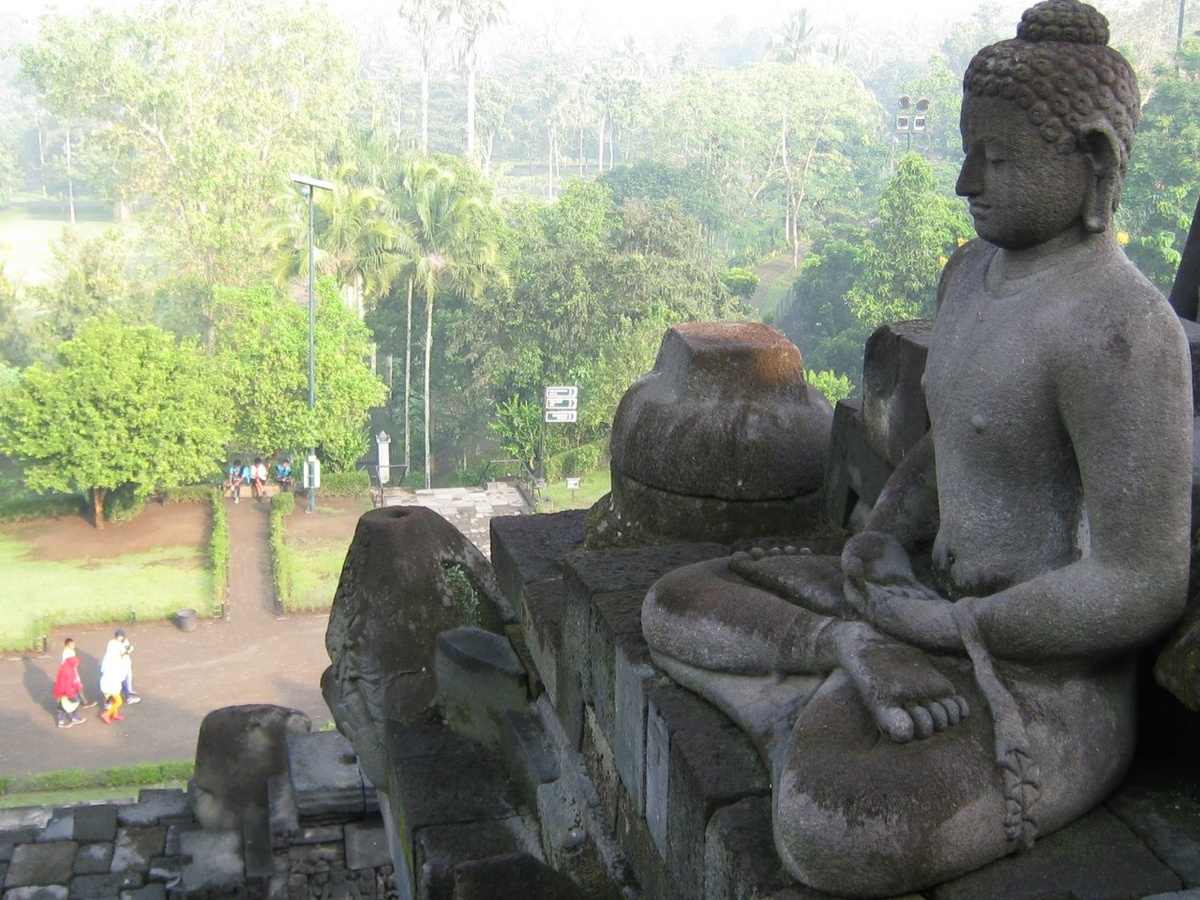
93, 859
104, 887
61, 826
894, 412
440, 848
856, 472
215, 864
541, 610
1096, 857
34, 864
366, 845
1168, 822
238, 749
136, 845
739, 853
527, 755
95, 823
326, 779
155, 804
529, 549
513, 876
480, 679
633, 675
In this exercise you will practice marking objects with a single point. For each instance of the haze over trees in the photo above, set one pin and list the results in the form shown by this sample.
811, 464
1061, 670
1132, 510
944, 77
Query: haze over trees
518, 201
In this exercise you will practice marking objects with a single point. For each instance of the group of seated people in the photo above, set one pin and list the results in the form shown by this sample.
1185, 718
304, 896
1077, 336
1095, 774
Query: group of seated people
255, 475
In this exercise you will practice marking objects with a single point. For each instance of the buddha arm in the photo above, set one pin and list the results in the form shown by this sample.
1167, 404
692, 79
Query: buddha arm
1126, 405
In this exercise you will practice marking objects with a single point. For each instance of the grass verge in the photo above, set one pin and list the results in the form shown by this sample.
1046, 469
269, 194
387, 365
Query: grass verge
79, 785
39, 594
592, 487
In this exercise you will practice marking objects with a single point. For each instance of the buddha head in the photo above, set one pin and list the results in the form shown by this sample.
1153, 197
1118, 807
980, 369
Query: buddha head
1048, 120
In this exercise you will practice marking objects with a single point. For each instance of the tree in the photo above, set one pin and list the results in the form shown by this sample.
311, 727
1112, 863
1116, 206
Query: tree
918, 229
261, 340
592, 288
201, 108
450, 249
1164, 173
474, 18
354, 235
88, 279
794, 42
422, 18
125, 405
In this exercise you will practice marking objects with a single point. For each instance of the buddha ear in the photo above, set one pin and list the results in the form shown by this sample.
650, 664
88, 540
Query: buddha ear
1102, 149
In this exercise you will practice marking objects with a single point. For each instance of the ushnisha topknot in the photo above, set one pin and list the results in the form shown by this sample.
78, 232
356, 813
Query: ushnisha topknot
1061, 71
1063, 20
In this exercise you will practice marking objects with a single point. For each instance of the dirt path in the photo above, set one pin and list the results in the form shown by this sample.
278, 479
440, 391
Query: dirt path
253, 658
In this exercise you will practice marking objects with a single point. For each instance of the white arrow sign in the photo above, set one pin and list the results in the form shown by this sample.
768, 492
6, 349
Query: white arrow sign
561, 403
561, 415
561, 391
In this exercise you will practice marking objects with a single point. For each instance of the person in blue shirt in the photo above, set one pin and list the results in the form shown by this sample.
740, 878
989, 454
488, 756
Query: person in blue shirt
238, 475
283, 474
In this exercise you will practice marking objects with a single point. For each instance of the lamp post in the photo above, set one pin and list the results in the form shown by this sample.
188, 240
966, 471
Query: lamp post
311, 467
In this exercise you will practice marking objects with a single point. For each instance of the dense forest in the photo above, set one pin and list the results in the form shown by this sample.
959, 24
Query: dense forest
511, 205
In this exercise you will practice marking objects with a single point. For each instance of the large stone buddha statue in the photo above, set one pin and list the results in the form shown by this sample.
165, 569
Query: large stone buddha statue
962, 678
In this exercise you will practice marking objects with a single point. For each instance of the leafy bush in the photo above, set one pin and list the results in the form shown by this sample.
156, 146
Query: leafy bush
345, 484
218, 547
574, 462
192, 493
285, 502
282, 564
835, 387
41, 506
124, 504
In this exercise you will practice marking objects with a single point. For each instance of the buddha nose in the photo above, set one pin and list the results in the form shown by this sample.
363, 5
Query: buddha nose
969, 182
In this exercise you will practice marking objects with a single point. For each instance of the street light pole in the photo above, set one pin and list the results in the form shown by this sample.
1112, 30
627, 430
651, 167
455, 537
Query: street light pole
310, 464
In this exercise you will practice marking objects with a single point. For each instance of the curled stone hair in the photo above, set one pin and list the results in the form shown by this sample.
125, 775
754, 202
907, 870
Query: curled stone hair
1061, 71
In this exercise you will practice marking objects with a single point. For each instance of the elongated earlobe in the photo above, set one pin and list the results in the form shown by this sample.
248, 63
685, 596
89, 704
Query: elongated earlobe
1100, 144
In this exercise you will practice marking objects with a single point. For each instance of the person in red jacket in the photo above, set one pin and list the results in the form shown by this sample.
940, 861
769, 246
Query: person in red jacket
68, 689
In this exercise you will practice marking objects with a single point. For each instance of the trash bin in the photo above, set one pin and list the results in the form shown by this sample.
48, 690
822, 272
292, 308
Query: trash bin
186, 619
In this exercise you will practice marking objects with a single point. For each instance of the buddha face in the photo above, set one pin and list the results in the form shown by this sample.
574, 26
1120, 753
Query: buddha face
1022, 191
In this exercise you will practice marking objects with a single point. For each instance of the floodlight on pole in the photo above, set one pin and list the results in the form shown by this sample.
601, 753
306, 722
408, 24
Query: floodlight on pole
312, 471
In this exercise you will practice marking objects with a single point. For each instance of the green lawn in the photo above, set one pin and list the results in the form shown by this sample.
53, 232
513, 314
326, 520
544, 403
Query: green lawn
592, 487
151, 585
29, 225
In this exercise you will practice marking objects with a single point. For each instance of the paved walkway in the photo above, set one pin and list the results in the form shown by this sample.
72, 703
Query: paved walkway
255, 657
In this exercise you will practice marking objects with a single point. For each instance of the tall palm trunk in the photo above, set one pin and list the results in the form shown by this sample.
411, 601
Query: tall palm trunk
408, 381
471, 114
428, 358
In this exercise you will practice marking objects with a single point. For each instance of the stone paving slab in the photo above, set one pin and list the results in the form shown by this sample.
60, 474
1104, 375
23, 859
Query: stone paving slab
35, 864
470, 510
96, 823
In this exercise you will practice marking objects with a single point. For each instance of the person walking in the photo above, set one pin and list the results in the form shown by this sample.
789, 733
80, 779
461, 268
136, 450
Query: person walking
113, 670
128, 694
69, 651
68, 689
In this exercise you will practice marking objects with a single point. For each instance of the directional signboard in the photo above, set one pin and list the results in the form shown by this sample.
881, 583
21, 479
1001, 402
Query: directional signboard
561, 403
561, 415
561, 392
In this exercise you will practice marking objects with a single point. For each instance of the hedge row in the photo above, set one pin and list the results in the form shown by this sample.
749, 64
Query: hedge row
344, 484
282, 565
576, 461
218, 546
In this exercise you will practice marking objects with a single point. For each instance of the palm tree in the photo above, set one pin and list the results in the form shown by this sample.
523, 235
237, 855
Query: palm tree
792, 43
353, 237
422, 17
474, 17
450, 250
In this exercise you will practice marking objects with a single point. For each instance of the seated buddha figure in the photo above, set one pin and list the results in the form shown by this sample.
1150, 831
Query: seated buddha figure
962, 678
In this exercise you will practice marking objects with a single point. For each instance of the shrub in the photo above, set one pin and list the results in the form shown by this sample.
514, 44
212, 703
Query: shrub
192, 493
281, 557
345, 484
41, 506
218, 547
124, 504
